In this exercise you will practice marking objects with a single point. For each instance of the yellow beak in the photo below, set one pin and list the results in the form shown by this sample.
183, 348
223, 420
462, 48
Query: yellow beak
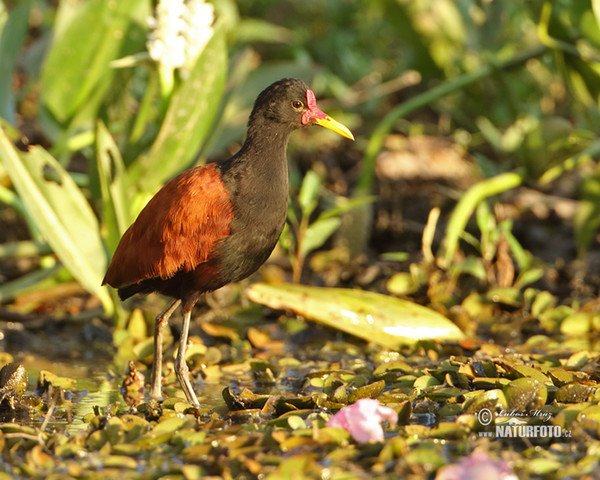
334, 126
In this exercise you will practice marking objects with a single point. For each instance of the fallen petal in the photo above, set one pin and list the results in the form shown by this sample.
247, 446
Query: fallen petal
363, 420
477, 466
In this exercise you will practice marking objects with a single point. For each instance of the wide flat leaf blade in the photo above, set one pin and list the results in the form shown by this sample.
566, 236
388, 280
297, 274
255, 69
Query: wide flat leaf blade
87, 37
62, 214
377, 318
11, 38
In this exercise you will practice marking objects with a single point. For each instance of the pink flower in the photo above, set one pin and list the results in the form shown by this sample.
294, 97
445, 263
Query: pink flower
363, 420
477, 466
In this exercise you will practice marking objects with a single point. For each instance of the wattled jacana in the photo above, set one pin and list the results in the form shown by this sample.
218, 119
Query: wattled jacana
217, 223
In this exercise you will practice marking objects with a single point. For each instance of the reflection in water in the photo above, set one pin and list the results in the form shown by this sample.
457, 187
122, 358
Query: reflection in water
94, 390
105, 394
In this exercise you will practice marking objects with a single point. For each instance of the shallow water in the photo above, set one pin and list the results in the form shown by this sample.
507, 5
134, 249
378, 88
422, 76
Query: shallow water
92, 388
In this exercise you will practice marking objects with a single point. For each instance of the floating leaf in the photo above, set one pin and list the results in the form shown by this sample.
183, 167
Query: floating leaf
579, 323
525, 394
490, 399
377, 318
561, 377
590, 417
295, 422
525, 371
574, 392
372, 390
48, 378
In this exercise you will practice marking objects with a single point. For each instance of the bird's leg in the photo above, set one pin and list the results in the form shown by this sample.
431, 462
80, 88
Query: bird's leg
181, 369
162, 319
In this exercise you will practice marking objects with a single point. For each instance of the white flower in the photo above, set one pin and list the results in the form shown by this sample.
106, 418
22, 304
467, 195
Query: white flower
166, 43
180, 31
198, 29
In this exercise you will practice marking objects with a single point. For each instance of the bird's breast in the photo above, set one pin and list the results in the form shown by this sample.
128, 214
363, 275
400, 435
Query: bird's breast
257, 180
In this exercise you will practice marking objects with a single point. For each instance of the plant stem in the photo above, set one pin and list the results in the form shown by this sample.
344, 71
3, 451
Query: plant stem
298, 264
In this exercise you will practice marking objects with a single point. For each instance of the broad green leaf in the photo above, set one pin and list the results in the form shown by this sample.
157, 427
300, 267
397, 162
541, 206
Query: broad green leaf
596, 10
11, 39
87, 37
116, 196
317, 234
3, 15
188, 120
62, 214
385, 320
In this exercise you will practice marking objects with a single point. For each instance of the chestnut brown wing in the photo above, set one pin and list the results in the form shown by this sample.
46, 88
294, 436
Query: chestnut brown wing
177, 230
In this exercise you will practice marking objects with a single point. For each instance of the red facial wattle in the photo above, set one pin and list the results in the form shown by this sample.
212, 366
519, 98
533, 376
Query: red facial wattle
321, 118
313, 111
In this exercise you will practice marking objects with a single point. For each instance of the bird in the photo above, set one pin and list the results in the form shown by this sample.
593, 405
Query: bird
217, 223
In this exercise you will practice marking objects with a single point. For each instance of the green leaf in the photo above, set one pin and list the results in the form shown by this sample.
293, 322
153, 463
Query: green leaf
32, 281
529, 276
346, 204
596, 10
522, 256
87, 37
12, 37
114, 189
189, 118
295, 422
467, 204
385, 320
252, 30
317, 234
62, 214
309, 192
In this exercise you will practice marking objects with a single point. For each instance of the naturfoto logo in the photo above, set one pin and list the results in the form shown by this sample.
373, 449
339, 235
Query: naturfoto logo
511, 424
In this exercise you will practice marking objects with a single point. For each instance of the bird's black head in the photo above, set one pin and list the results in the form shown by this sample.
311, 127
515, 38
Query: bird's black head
283, 102
290, 104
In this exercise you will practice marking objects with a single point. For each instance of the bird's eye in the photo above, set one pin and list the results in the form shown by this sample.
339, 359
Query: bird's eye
297, 104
